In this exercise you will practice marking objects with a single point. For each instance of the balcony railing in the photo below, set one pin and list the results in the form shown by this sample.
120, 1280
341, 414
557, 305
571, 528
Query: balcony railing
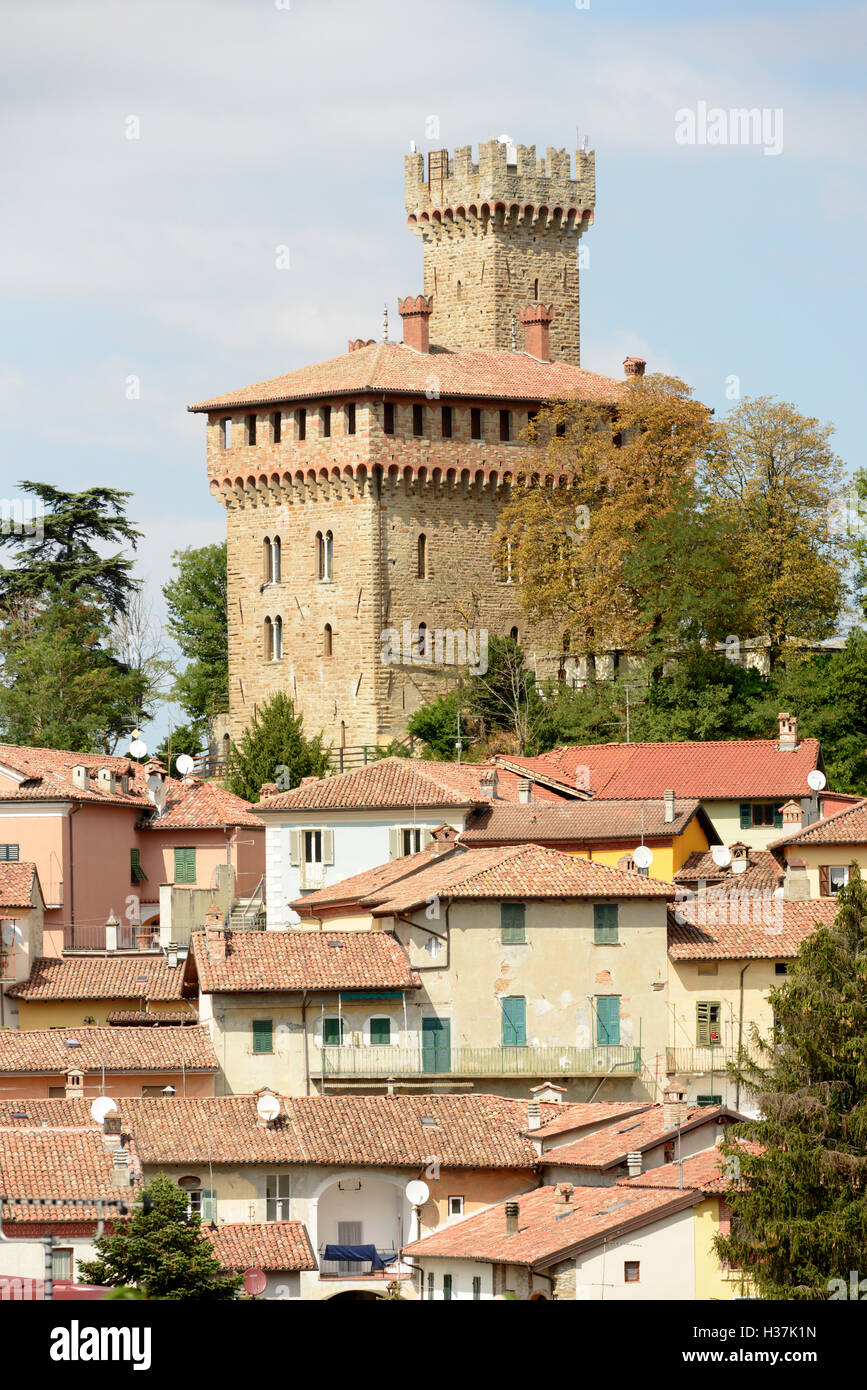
77, 938
357, 1269
699, 1059
345, 1061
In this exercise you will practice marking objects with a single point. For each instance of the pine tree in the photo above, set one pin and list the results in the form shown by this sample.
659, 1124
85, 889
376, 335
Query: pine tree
799, 1204
273, 749
161, 1251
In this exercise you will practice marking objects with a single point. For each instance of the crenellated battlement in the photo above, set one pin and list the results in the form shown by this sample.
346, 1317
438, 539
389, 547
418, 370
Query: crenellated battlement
455, 181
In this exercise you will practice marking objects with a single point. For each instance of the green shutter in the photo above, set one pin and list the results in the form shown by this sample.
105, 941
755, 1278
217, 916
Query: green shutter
512, 923
477, 1287
447, 1287
263, 1035
514, 1022
209, 1205
746, 815
185, 864
136, 872
380, 1032
778, 815
608, 1020
605, 922
332, 1032
707, 1021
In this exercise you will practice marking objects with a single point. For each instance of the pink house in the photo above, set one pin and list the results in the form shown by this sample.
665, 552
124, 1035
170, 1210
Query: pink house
127, 857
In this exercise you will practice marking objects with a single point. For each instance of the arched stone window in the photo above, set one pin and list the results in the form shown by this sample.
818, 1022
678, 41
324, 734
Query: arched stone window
277, 639
327, 640
422, 556
267, 639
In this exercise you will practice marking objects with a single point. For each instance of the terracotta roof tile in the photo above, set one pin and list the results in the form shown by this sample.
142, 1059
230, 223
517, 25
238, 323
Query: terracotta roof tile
16, 884
579, 1115
726, 928
71, 1161
580, 821
393, 782
549, 1229
299, 959
100, 977
764, 870
199, 805
608, 1147
46, 1050
371, 881
713, 770
270, 1245
166, 1018
705, 1172
846, 827
396, 368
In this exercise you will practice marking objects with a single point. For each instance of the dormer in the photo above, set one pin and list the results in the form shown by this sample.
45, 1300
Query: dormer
105, 780
81, 776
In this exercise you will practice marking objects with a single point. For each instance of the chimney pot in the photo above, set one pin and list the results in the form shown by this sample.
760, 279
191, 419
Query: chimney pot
668, 803
534, 1115
537, 330
512, 1213
788, 731
81, 777
563, 1194
415, 312
634, 366
525, 791
634, 1162
673, 1104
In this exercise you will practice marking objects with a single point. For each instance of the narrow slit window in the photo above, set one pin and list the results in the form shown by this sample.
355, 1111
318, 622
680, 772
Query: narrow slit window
505, 426
276, 427
418, 421
226, 433
388, 418
422, 556
277, 639
447, 422
350, 418
327, 640
326, 422
251, 430
301, 423
475, 423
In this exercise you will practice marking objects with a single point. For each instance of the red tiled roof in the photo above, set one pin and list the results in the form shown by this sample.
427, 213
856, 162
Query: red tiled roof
269, 1245
725, 928
308, 960
395, 368
608, 1147
16, 884
764, 870
394, 782
100, 977
199, 805
846, 827
68, 1162
371, 881
580, 821
46, 1050
167, 1018
581, 1114
712, 771
523, 871
549, 1230
704, 1172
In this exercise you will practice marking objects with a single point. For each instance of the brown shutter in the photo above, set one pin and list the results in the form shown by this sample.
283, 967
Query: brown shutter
824, 881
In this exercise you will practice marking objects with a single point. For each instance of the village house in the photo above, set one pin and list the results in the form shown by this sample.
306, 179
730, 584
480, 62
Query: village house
120, 844
22, 912
824, 852
86, 1062
91, 988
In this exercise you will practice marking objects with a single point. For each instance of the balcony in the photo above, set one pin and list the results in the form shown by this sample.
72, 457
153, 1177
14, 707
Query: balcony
697, 1061
77, 938
344, 1061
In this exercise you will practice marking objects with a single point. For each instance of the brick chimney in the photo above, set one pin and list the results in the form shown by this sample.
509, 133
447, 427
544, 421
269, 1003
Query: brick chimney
268, 789
525, 791
788, 732
215, 936
111, 1135
512, 1212
796, 885
415, 312
791, 814
537, 330
563, 1194
634, 366
488, 783
673, 1104
74, 1085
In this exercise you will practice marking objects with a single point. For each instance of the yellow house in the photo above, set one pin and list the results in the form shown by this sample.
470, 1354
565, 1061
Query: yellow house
62, 991
826, 849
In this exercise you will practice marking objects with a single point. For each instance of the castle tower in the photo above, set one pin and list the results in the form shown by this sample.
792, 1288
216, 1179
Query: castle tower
497, 236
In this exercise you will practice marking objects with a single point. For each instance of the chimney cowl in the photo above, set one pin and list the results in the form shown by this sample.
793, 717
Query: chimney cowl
634, 1162
534, 1114
488, 783
525, 791
537, 319
634, 366
512, 1211
563, 1193
788, 731
668, 806
415, 311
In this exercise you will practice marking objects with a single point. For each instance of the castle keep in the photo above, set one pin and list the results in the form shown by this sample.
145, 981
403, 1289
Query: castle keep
362, 493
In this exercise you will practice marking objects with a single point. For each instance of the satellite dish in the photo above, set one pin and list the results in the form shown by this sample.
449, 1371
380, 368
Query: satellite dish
254, 1281
816, 780
721, 856
417, 1192
184, 764
267, 1108
642, 856
739, 866
102, 1106
138, 748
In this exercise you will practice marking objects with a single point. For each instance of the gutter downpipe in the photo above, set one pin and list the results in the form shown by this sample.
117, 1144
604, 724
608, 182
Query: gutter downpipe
306, 1049
73, 811
740, 1033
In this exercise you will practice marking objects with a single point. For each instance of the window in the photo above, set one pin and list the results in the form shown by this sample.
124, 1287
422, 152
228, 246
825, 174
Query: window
608, 1020
380, 1032
631, 1272
838, 877
447, 1287
513, 929
513, 633
708, 1100
418, 420
267, 639
477, 1286
312, 846
422, 556
781, 968
276, 427
327, 640
301, 423
605, 923
350, 418
475, 423
136, 872
226, 434
185, 864
154, 1093
200, 1200
560, 429
388, 417
56, 1092
277, 639
277, 1196
422, 642
251, 429
324, 554
447, 421
411, 839
332, 1032
267, 561
505, 559
759, 813
62, 1262
8, 854
263, 1035
456, 1206
276, 559
707, 1022
536, 291
505, 426
326, 421
514, 1022
430, 1286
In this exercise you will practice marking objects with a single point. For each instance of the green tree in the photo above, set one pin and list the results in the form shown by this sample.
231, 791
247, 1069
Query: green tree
62, 556
184, 738
273, 748
196, 602
799, 1204
161, 1251
435, 725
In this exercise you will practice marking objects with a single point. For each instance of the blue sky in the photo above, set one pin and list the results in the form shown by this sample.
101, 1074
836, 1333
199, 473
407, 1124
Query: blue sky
262, 125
